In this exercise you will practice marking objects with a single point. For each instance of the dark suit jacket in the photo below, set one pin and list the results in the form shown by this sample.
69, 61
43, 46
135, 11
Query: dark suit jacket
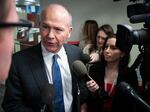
27, 77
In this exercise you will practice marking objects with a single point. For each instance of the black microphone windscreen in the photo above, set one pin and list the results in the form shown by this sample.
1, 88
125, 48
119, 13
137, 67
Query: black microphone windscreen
125, 88
79, 68
47, 94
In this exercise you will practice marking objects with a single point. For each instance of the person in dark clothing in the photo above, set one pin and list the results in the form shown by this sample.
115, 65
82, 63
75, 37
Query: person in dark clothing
107, 74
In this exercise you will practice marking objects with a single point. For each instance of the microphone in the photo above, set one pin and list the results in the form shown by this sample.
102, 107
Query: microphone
80, 70
47, 97
140, 18
126, 89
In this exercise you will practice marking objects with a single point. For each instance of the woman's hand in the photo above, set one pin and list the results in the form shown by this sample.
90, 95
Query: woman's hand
92, 85
94, 57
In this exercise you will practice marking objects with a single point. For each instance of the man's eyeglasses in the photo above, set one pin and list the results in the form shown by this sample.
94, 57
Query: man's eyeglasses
23, 28
21, 23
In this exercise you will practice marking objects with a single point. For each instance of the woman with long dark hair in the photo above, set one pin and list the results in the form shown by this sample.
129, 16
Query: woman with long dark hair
107, 74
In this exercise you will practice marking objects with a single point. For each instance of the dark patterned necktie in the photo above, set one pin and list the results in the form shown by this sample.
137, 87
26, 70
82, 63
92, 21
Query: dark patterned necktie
58, 102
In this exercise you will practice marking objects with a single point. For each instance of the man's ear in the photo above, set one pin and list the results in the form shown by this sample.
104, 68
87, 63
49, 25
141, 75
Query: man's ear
70, 31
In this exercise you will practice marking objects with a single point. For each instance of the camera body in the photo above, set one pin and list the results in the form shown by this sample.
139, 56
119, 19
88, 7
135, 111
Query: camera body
138, 8
126, 36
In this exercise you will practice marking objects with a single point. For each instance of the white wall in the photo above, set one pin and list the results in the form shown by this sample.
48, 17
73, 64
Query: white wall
104, 11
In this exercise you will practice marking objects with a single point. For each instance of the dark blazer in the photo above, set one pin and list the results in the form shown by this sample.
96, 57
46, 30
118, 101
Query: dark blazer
120, 103
27, 77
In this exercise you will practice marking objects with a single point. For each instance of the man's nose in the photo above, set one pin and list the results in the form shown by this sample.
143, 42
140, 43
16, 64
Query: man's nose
51, 33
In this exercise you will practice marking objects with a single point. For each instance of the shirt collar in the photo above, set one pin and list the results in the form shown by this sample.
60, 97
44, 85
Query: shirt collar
60, 53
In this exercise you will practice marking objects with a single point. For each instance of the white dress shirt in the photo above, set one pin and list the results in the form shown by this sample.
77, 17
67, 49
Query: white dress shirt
65, 74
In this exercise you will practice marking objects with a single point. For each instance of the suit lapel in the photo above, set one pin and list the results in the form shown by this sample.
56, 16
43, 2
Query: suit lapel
69, 54
71, 58
37, 66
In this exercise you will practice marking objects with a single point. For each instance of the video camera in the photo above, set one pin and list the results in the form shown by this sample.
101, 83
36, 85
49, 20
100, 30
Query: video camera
139, 12
126, 37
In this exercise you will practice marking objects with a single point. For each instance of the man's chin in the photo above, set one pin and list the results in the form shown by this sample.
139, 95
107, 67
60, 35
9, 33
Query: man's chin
52, 50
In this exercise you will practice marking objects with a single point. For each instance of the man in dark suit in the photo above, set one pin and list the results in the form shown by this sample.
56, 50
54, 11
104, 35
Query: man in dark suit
31, 69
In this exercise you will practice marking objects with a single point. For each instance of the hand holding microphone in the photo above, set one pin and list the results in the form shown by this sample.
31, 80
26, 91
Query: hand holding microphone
92, 85
81, 72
